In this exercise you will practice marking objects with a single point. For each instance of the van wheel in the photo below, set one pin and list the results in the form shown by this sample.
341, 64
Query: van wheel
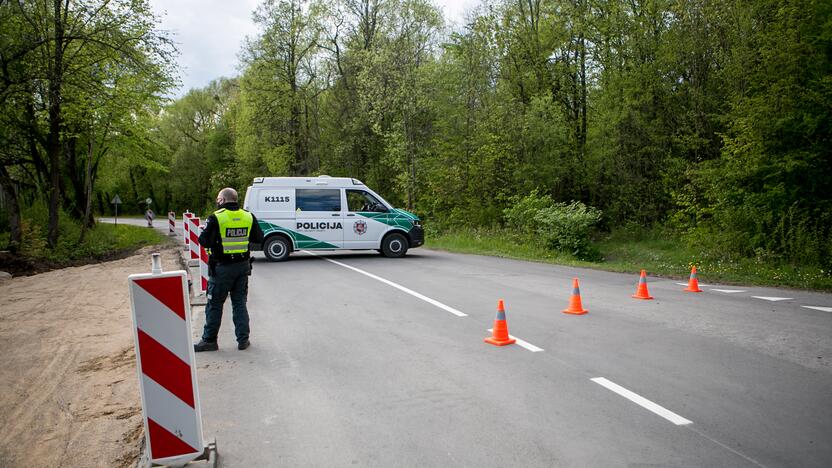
277, 248
394, 245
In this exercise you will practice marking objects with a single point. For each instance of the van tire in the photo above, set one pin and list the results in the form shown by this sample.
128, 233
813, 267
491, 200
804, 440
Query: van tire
394, 245
277, 248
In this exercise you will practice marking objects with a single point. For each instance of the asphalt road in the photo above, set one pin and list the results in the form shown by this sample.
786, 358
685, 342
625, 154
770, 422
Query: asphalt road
361, 360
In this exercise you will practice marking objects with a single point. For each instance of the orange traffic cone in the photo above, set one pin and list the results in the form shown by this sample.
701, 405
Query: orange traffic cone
641, 291
499, 334
693, 283
575, 306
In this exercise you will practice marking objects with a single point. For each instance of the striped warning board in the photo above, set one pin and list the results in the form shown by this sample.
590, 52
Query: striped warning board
193, 232
185, 227
171, 223
165, 360
203, 265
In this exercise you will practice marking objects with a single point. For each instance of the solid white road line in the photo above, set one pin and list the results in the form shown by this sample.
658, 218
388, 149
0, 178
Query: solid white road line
729, 291
522, 343
395, 285
643, 402
822, 309
772, 299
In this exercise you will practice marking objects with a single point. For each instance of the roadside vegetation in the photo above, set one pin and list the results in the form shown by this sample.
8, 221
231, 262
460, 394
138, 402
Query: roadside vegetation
536, 228
659, 252
612, 133
101, 242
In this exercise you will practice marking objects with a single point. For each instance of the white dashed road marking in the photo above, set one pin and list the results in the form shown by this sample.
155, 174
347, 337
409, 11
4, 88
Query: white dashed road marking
397, 286
729, 291
772, 299
522, 343
822, 309
700, 285
643, 402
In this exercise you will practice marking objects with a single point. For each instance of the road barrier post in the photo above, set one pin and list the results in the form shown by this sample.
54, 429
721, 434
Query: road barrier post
185, 226
166, 366
171, 223
203, 265
193, 233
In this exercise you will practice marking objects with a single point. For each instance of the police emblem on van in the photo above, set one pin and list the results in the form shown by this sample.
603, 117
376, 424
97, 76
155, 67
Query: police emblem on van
360, 227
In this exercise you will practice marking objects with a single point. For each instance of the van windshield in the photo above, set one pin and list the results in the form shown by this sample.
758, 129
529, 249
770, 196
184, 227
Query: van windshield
359, 200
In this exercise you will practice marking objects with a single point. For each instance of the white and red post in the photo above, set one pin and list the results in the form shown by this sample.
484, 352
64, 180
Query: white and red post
185, 216
171, 223
203, 265
166, 365
193, 233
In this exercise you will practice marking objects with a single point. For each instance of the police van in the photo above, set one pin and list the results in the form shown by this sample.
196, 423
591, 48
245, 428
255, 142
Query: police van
328, 213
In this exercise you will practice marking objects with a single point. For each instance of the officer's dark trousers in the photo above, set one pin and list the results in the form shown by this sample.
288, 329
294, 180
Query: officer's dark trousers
229, 278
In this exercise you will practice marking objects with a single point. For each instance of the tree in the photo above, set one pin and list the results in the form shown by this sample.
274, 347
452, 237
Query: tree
62, 62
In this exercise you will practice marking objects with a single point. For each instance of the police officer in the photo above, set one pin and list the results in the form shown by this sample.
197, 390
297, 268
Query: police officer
226, 236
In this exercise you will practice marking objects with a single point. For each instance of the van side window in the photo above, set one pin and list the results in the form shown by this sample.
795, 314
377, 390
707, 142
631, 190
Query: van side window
359, 200
318, 199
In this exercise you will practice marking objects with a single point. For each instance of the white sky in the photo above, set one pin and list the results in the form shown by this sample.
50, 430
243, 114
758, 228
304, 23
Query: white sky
210, 33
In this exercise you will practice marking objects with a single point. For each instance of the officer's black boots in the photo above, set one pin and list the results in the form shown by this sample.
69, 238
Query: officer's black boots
245, 344
205, 346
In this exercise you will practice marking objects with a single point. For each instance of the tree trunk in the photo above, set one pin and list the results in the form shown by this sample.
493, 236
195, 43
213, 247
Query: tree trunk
87, 222
15, 235
54, 139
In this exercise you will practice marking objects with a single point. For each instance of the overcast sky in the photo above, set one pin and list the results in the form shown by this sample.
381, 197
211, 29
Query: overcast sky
209, 34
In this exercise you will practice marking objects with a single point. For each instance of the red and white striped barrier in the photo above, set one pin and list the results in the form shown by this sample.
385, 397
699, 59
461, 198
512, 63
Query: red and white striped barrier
165, 362
193, 232
203, 265
171, 223
185, 227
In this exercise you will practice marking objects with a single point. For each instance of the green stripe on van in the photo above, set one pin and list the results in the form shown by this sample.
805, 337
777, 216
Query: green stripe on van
302, 241
396, 218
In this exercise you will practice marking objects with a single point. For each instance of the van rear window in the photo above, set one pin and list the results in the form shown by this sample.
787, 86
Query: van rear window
318, 199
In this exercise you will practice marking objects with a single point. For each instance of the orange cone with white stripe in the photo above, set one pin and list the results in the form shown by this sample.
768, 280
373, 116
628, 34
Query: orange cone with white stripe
693, 283
575, 305
499, 335
641, 291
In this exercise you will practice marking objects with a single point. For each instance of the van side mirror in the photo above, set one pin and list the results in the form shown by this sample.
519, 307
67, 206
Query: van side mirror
378, 208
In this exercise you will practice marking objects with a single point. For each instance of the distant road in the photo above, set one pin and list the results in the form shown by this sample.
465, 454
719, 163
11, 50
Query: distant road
361, 360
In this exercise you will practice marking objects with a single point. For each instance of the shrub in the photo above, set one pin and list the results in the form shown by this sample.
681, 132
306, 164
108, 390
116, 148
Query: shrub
566, 227
522, 211
557, 226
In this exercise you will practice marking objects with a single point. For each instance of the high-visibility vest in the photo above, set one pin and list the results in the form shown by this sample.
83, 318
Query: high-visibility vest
235, 227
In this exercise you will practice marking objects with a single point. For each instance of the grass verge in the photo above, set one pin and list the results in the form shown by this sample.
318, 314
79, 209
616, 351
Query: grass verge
628, 252
103, 242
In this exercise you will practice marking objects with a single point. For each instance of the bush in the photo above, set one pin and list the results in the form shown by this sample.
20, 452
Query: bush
566, 227
557, 226
523, 210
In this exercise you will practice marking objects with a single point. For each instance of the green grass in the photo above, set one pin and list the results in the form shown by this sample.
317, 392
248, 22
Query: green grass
629, 251
102, 242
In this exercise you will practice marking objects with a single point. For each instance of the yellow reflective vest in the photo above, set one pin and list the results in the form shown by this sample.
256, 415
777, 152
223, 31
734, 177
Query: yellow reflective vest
235, 227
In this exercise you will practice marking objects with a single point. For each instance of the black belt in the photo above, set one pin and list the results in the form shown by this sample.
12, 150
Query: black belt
232, 258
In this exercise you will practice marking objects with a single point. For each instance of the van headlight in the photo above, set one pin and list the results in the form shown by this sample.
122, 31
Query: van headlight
417, 223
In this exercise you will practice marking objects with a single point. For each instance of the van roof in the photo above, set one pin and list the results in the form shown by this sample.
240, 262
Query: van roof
312, 181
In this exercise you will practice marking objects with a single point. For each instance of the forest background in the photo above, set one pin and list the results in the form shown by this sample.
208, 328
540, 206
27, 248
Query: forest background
559, 122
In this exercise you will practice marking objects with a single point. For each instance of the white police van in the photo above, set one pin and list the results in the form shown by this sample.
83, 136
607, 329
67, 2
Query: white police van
328, 213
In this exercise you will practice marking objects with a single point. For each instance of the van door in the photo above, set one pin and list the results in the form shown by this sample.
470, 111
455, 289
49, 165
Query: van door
361, 231
318, 218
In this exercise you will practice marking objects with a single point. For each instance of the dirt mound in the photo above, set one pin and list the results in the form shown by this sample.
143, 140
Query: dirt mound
68, 388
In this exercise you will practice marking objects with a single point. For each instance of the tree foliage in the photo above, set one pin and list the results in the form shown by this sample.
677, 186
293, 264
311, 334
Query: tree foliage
712, 118
77, 79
